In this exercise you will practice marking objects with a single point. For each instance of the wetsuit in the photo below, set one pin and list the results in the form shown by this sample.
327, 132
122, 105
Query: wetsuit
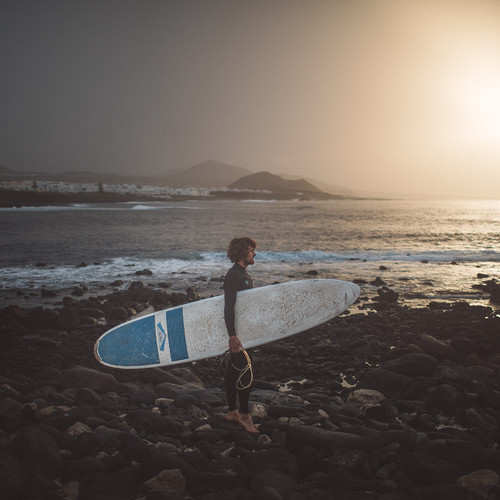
236, 279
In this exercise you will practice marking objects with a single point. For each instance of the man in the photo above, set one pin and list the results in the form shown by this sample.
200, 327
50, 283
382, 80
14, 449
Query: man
238, 374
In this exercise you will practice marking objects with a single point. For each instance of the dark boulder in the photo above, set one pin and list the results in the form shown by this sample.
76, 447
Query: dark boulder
412, 365
38, 452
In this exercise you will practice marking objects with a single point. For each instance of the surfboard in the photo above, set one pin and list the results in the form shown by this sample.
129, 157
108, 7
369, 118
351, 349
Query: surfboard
197, 330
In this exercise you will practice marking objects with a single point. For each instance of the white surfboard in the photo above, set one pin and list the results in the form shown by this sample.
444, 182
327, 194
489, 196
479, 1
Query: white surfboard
197, 330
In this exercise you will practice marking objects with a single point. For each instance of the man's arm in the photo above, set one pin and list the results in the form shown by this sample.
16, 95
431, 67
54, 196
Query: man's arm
230, 291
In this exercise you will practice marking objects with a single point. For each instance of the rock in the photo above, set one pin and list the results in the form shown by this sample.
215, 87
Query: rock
144, 272
272, 484
92, 312
481, 484
38, 452
167, 481
387, 382
69, 491
412, 365
365, 396
385, 294
468, 454
283, 411
121, 483
435, 347
297, 436
443, 397
184, 400
143, 397
192, 295
69, 318
425, 469
85, 445
82, 468
12, 476
479, 372
134, 448
77, 428
152, 422
116, 314
82, 377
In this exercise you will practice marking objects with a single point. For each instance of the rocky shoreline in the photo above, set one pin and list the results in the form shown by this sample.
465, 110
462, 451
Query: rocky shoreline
394, 404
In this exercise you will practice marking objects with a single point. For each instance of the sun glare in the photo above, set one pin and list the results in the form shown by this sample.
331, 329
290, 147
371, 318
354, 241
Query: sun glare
480, 102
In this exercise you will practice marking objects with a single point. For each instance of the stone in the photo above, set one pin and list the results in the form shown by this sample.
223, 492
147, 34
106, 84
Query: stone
296, 436
151, 422
481, 484
272, 484
38, 452
412, 365
80, 376
468, 454
78, 428
365, 396
167, 481
435, 347
82, 468
116, 314
387, 382
12, 476
69, 318
425, 469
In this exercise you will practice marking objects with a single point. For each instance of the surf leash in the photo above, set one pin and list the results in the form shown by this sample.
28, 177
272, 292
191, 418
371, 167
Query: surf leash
247, 369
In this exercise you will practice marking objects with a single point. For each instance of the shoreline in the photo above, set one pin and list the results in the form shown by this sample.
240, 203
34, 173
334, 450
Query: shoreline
376, 286
25, 199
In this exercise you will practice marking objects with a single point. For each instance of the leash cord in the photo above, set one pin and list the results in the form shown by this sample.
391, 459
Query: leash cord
239, 383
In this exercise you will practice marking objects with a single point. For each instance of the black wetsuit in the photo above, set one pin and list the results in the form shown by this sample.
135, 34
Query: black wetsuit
236, 279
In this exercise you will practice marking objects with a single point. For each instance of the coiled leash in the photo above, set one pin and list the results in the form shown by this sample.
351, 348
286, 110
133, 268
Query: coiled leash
226, 359
245, 369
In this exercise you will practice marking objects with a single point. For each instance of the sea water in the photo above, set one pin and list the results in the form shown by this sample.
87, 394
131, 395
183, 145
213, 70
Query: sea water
425, 250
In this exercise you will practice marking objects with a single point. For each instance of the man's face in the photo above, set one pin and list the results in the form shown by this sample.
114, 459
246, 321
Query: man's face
249, 257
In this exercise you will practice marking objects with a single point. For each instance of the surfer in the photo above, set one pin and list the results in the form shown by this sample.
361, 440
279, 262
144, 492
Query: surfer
238, 373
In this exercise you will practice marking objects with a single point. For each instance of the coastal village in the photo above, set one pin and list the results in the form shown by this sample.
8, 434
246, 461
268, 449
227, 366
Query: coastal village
71, 187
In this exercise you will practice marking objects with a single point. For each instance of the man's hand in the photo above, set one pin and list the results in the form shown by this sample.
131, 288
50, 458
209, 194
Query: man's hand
235, 344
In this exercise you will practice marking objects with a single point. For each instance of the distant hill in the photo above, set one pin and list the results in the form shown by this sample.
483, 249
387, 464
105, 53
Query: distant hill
271, 182
279, 187
5, 170
323, 186
208, 174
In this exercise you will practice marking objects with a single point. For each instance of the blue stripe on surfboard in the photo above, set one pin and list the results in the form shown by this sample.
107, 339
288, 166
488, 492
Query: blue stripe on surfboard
133, 344
176, 335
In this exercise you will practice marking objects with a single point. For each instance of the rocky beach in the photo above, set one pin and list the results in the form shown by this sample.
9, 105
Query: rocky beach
388, 402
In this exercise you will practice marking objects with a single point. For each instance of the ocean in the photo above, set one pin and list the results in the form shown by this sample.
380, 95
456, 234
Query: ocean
424, 250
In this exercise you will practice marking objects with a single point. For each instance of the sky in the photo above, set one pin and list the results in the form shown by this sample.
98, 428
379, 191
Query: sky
379, 95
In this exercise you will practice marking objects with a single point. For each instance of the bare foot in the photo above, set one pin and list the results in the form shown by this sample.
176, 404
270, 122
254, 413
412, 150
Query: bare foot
233, 416
247, 423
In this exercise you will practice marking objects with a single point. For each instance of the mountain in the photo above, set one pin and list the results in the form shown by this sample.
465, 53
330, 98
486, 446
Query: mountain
208, 174
270, 182
279, 187
323, 186
5, 170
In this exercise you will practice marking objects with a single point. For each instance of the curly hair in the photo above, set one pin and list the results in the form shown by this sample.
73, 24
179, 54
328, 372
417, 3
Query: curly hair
238, 247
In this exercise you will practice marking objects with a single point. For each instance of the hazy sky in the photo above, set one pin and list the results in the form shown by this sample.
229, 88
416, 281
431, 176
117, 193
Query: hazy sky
385, 95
